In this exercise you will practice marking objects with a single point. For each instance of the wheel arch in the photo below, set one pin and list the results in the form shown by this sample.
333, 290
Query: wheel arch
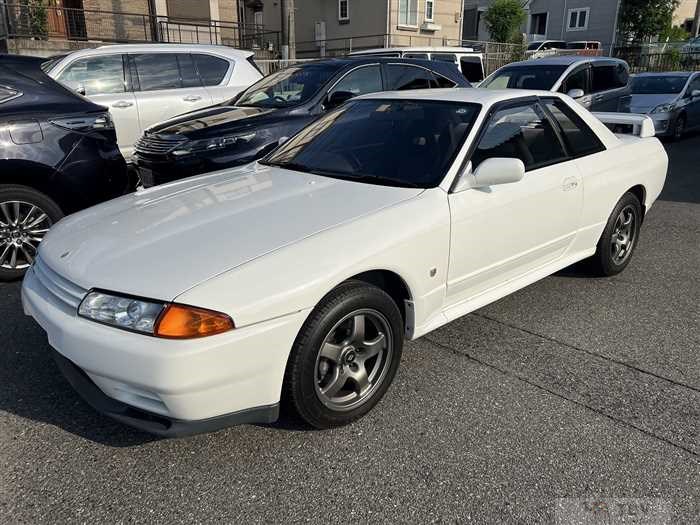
394, 285
640, 192
32, 175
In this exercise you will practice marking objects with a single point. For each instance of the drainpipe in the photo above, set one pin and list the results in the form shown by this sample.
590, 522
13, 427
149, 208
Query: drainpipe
613, 39
153, 20
563, 23
696, 20
387, 38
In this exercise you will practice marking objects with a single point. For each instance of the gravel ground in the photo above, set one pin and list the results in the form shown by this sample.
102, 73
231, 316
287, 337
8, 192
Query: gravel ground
575, 387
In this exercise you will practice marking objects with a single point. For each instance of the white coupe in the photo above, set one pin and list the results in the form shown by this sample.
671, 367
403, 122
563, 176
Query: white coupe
296, 280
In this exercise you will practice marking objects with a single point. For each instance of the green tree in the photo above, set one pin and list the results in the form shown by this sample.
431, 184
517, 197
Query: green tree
503, 19
641, 19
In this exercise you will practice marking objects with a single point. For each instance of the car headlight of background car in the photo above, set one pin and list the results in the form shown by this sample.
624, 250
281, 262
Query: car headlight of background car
154, 318
663, 108
221, 143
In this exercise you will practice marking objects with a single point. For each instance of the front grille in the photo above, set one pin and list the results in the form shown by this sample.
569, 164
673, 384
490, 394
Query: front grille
158, 144
60, 288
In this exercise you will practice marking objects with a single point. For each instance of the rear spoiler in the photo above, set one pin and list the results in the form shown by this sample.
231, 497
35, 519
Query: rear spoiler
642, 125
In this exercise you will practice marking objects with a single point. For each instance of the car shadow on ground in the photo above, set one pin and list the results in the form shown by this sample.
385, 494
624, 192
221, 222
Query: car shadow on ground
683, 180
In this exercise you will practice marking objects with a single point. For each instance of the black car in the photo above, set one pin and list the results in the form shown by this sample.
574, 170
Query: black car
278, 106
58, 154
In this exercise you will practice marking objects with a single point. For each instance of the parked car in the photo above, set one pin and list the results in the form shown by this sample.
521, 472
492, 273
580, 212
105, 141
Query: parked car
672, 100
278, 106
585, 47
467, 61
143, 84
544, 48
200, 304
58, 154
597, 83
692, 46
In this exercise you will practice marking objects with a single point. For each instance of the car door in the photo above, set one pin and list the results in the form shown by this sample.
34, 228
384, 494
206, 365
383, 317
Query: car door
359, 81
579, 78
103, 80
693, 103
401, 77
215, 73
502, 232
166, 85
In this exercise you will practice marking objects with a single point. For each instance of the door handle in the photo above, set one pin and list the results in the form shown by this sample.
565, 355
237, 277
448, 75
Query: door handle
192, 98
570, 183
122, 104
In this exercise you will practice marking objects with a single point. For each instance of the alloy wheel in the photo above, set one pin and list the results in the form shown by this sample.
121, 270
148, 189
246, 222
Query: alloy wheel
22, 227
353, 360
624, 235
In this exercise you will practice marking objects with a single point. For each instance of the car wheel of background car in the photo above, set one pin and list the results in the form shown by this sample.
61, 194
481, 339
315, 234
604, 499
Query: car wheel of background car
619, 238
345, 356
25, 217
679, 128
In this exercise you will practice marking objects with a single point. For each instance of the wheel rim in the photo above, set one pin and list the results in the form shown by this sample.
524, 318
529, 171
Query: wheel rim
22, 227
624, 234
353, 360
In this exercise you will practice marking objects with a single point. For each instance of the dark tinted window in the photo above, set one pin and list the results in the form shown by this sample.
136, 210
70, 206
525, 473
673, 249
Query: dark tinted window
289, 87
97, 75
520, 132
576, 80
649, 85
391, 142
579, 138
444, 57
422, 56
212, 70
441, 82
157, 71
408, 77
693, 86
188, 74
609, 77
554, 45
530, 77
367, 79
472, 68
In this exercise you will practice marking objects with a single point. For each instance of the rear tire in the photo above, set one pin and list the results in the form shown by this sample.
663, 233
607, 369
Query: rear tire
619, 238
25, 217
345, 356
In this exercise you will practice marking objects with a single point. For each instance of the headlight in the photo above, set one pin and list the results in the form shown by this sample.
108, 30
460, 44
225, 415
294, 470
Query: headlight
219, 143
663, 108
155, 318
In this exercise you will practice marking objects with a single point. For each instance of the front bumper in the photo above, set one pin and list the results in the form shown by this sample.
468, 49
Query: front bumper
168, 387
662, 123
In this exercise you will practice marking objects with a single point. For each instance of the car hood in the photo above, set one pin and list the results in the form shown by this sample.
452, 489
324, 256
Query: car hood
211, 121
160, 242
645, 103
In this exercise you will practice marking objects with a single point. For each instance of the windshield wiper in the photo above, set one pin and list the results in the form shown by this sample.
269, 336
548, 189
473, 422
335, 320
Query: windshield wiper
372, 179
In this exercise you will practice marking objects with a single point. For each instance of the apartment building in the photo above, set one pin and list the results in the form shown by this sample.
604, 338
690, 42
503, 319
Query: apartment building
568, 20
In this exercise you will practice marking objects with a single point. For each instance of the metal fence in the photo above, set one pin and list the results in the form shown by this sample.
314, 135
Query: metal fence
41, 22
642, 59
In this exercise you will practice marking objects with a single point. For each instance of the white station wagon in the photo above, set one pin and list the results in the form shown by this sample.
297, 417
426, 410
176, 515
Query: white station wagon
204, 303
143, 84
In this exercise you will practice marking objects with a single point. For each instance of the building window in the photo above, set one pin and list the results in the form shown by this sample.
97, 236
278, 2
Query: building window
408, 13
188, 9
343, 10
429, 10
538, 24
578, 19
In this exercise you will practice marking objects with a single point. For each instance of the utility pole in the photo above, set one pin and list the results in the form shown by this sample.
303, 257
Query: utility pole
288, 30
696, 20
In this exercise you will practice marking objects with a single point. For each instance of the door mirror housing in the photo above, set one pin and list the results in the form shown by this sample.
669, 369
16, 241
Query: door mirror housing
80, 90
575, 93
338, 98
495, 171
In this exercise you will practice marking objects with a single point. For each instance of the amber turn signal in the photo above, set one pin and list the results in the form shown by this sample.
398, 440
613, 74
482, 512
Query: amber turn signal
187, 322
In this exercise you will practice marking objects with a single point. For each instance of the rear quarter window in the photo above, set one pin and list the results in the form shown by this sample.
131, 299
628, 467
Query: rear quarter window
212, 70
580, 140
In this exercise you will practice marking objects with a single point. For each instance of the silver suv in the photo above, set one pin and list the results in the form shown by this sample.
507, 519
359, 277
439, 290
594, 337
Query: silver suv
597, 83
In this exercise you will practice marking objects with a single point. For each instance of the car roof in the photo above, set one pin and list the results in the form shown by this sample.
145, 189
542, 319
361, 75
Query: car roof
485, 97
665, 74
438, 49
563, 60
158, 48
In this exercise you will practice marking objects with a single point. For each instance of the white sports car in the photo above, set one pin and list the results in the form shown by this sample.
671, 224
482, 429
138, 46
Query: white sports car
207, 302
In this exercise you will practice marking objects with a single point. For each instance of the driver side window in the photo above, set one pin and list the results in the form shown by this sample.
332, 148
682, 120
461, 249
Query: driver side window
366, 79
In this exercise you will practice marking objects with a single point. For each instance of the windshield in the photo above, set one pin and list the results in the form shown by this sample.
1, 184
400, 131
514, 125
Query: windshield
661, 84
47, 66
289, 87
530, 77
407, 143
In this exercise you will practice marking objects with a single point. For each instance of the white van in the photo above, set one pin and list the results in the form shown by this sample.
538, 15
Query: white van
143, 84
469, 63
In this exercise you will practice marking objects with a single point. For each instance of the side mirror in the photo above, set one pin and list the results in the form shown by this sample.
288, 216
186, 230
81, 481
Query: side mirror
695, 93
338, 98
576, 93
80, 90
282, 140
494, 171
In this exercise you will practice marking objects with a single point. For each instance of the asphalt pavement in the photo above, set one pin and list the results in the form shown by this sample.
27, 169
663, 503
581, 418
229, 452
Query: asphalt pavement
575, 387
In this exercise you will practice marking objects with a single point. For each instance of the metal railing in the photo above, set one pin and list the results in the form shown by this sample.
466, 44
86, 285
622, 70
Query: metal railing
37, 21
672, 60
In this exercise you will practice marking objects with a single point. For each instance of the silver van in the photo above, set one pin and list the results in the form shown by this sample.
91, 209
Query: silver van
597, 83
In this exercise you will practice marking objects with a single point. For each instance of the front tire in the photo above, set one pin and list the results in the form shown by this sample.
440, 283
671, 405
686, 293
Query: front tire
25, 217
345, 356
619, 238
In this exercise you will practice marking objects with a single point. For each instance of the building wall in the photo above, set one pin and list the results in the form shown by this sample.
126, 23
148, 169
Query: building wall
117, 27
685, 11
447, 15
601, 19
